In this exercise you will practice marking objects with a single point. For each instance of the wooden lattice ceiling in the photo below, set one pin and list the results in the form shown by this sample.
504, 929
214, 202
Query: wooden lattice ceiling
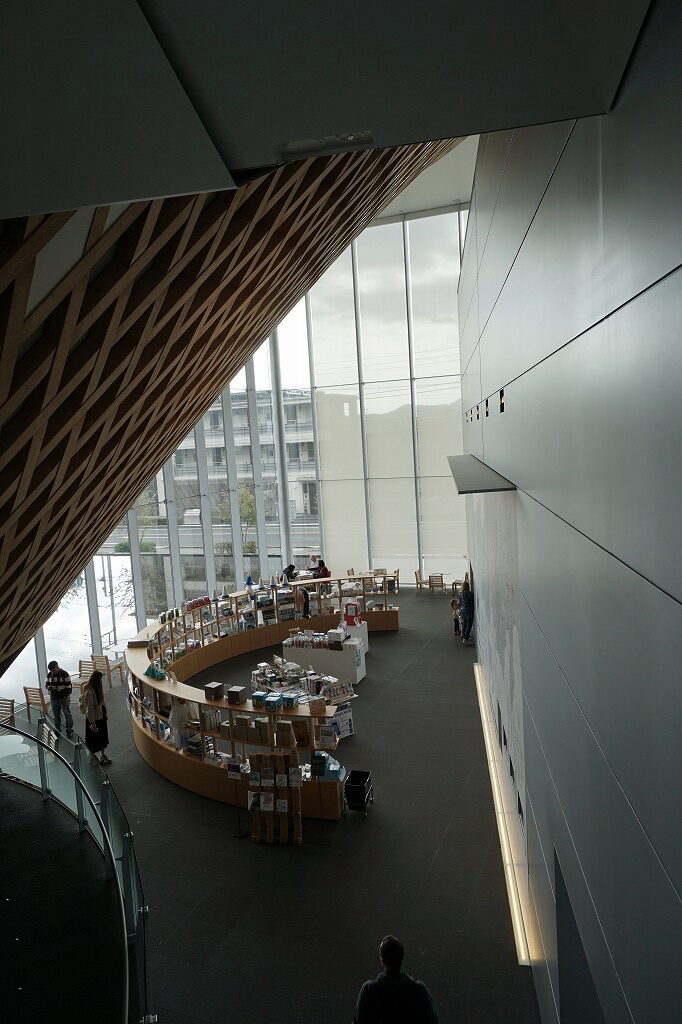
102, 380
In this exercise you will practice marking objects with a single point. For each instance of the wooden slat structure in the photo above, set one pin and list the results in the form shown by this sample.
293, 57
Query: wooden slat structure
105, 376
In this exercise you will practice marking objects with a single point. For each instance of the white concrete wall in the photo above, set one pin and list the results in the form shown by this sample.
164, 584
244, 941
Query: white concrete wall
570, 301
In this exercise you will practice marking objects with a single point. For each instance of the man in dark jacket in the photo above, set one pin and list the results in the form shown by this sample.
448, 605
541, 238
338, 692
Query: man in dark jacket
58, 685
394, 997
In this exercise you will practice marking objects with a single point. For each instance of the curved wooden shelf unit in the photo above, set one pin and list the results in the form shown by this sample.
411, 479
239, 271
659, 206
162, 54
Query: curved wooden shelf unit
319, 799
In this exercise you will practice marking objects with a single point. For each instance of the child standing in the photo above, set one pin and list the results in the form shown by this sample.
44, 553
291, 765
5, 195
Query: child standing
454, 604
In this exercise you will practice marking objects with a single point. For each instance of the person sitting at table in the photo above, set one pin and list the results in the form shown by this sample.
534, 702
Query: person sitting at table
322, 572
289, 574
312, 562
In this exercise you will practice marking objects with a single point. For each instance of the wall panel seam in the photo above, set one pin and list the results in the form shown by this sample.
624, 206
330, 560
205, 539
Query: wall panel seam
545, 961
525, 234
578, 860
596, 543
550, 879
597, 323
480, 256
597, 744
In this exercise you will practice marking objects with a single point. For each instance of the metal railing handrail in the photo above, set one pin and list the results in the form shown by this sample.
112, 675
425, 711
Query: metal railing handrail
108, 851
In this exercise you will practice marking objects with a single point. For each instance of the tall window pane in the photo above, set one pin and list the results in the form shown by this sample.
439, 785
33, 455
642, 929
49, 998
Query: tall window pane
434, 275
188, 512
383, 304
394, 524
333, 315
67, 631
152, 529
303, 498
22, 672
268, 464
245, 485
444, 534
339, 432
439, 423
388, 419
115, 595
219, 497
345, 529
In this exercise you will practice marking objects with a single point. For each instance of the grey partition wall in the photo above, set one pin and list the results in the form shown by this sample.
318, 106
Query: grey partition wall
570, 306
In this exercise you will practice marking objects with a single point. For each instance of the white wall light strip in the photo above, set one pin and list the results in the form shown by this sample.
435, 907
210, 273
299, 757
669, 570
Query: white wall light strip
505, 846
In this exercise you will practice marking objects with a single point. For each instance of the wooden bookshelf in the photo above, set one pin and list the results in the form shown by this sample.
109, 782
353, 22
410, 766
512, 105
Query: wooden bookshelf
210, 634
213, 633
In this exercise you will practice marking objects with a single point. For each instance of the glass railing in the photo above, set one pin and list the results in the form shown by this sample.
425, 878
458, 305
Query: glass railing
32, 751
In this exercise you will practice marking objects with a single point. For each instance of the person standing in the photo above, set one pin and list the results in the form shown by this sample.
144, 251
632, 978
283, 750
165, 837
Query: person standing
454, 604
302, 599
394, 996
58, 685
95, 711
466, 612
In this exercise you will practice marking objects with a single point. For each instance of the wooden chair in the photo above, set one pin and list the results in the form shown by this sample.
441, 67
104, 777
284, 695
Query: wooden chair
35, 698
85, 670
103, 665
6, 710
454, 587
419, 582
97, 663
436, 582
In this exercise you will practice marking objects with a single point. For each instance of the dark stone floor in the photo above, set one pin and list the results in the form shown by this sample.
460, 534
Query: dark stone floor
240, 932
61, 938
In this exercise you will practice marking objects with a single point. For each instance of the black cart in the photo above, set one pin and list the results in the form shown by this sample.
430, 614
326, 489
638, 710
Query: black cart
358, 791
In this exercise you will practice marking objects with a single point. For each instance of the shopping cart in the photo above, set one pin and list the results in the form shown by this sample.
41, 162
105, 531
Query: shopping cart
358, 791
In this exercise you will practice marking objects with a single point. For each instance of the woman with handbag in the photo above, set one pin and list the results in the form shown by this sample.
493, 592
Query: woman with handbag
93, 707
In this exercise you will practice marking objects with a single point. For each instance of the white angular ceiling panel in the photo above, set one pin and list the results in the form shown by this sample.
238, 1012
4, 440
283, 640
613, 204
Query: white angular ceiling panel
92, 111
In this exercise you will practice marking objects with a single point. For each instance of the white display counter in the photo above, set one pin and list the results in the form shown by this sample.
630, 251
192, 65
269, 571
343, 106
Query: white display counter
360, 632
348, 663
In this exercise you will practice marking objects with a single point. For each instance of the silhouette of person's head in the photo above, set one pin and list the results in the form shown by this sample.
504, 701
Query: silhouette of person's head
391, 952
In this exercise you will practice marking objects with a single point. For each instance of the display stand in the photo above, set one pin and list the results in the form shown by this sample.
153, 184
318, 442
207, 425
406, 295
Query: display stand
149, 699
348, 663
360, 633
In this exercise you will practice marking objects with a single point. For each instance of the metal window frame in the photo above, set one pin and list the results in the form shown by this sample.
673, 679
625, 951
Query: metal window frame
40, 654
173, 531
233, 486
361, 393
281, 461
313, 407
93, 609
254, 435
413, 390
205, 504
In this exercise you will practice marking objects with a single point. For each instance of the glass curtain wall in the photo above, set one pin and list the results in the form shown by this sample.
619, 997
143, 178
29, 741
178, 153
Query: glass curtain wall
332, 439
339, 421
385, 352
